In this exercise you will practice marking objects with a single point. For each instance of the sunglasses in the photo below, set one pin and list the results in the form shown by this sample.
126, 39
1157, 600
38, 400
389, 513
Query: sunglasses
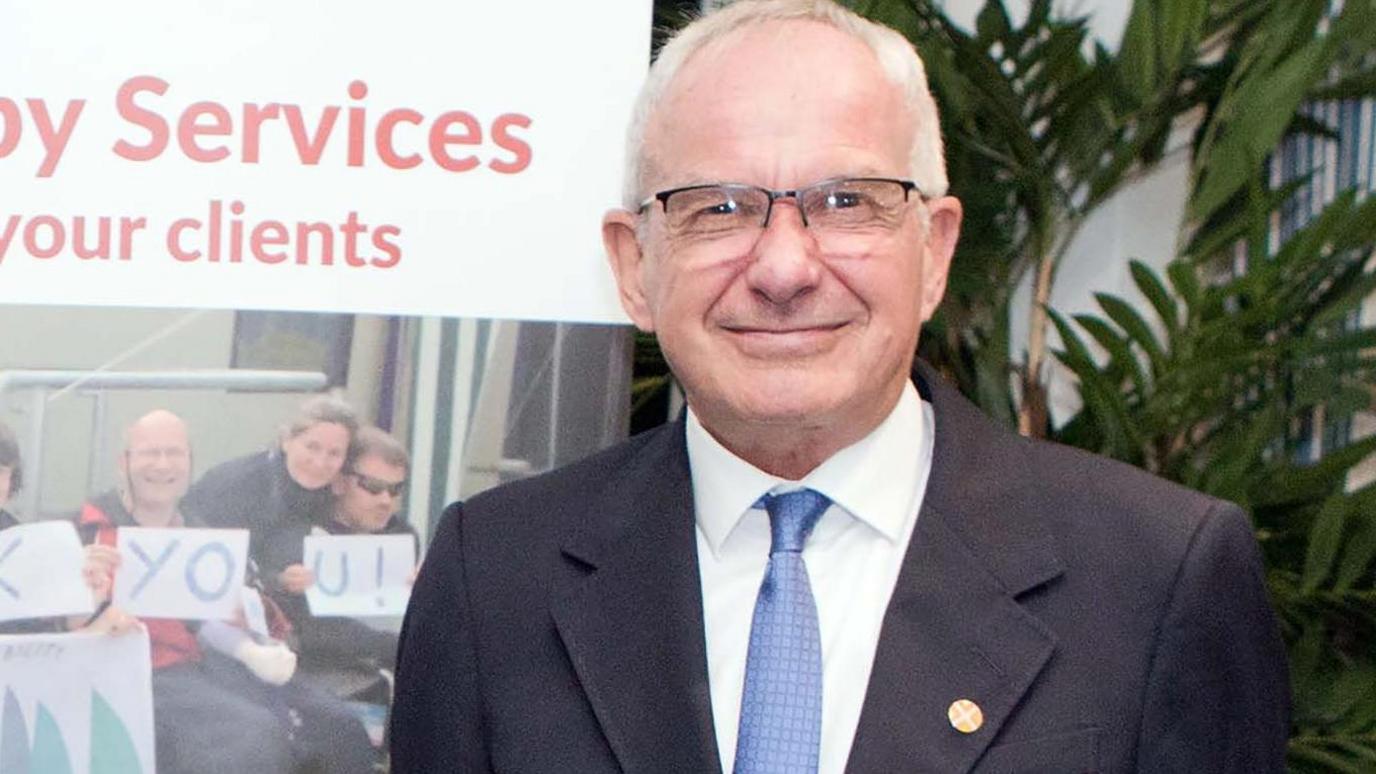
376, 486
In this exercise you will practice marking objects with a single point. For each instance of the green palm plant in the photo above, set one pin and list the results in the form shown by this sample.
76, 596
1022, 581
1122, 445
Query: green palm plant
1211, 394
1211, 377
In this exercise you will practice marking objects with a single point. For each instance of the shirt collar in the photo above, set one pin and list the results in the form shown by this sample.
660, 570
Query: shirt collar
875, 479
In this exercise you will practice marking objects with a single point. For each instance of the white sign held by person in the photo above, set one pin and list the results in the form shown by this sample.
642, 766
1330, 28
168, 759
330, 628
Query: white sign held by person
40, 572
76, 703
194, 574
360, 575
410, 157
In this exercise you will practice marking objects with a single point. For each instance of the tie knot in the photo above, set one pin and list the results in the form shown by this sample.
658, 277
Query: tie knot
792, 515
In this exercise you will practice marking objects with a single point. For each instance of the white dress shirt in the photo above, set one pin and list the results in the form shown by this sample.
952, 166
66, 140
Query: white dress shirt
853, 557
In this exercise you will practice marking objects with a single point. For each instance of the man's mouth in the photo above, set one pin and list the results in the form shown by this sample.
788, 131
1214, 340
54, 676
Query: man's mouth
789, 340
776, 329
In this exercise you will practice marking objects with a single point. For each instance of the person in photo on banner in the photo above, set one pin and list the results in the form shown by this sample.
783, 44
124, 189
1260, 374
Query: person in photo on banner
224, 699
109, 621
11, 474
832, 562
280, 494
367, 501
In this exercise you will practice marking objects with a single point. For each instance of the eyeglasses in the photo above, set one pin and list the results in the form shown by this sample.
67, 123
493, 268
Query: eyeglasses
845, 205
153, 453
376, 486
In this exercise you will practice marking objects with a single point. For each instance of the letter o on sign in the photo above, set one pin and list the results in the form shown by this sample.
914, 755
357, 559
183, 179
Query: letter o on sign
193, 582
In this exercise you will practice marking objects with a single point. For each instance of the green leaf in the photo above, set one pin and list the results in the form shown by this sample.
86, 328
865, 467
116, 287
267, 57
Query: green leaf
1127, 318
1185, 281
1298, 483
1345, 343
1102, 399
1252, 133
1117, 348
1360, 751
992, 22
1325, 761
1359, 554
1358, 85
1325, 539
1156, 294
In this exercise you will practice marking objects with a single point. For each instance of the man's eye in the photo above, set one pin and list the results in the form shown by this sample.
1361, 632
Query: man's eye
841, 200
726, 207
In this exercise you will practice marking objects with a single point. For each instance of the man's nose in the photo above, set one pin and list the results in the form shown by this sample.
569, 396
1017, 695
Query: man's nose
786, 261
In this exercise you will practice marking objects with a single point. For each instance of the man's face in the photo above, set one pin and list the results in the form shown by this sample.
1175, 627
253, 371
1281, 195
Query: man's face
367, 496
157, 462
790, 329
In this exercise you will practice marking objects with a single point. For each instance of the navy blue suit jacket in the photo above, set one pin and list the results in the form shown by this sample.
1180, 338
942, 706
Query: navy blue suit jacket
1103, 620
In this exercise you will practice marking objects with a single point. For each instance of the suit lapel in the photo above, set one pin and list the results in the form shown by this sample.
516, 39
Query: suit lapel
953, 629
630, 615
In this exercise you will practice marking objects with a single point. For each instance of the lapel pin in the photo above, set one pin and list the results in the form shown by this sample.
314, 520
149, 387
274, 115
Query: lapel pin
965, 716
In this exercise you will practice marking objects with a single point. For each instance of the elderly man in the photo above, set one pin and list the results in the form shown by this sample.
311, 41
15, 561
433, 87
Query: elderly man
826, 565
211, 712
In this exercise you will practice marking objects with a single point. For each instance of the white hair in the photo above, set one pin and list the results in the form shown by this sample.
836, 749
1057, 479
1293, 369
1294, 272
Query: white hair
896, 56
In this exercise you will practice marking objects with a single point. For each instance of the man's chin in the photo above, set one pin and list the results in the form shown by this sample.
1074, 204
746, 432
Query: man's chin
784, 410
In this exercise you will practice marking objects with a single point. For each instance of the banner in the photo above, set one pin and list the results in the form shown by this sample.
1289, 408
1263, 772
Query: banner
412, 158
360, 575
76, 703
194, 574
40, 572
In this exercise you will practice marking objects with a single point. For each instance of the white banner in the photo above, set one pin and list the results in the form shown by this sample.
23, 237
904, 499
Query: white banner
360, 575
40, 572
183, 573
76, 703
413, 157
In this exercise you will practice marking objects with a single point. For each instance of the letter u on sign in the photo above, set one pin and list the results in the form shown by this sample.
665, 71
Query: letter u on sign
359, 575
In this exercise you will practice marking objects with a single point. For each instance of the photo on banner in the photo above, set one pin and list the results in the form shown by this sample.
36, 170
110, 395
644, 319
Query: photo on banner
220, 211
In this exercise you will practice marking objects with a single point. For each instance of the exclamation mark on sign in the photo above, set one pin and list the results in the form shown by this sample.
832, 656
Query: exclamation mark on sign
380, 601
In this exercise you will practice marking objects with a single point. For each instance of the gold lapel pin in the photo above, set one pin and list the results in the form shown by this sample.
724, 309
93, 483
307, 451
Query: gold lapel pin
965, 716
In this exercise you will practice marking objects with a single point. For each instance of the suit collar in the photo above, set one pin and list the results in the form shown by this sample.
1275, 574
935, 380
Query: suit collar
980, 486
630, 614
954, 629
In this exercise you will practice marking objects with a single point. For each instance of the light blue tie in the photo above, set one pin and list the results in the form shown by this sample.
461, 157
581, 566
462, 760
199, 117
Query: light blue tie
781, 707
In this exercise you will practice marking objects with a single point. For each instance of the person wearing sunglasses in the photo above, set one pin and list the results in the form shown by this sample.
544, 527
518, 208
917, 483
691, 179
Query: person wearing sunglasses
368, 494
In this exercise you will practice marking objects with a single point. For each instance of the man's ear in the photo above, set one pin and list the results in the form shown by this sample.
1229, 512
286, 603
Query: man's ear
943, 229
626, 257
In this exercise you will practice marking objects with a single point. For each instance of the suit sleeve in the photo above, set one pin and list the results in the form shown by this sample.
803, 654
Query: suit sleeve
436, 720
1217, 696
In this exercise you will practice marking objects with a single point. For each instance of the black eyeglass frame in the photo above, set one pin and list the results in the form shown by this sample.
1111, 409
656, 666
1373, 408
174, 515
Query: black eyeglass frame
794, 193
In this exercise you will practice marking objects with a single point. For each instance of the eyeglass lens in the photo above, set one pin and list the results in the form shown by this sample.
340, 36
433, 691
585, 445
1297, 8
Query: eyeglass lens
838, 205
